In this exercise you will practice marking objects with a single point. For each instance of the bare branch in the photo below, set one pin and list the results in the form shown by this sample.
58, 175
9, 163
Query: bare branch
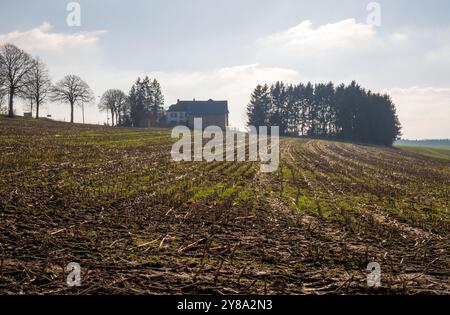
72, 90
15, 66
38, 86
114, 101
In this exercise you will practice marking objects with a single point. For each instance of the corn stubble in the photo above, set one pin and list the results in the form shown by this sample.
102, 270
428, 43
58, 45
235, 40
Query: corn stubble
139, 223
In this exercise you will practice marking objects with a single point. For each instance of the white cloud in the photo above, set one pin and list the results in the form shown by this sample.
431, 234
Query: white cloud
439, 56
304, 38
339, 52
423, 111
234, 84
325, 52
399, 38
254, 73
42, 39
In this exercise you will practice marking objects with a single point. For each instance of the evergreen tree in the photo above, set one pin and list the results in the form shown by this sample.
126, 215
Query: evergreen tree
321, 110
137, 106
259, 106
292, 110
278, 116
145, 101
157, 100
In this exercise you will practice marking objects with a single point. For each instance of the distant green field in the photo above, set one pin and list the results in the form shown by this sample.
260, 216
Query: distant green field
436, 152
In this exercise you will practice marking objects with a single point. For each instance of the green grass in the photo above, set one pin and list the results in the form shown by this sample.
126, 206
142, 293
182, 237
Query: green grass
115, 195
435, 152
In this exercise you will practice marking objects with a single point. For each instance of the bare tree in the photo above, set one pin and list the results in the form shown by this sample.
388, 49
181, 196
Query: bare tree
39, 86
2, 100
113, 100
15, 66
73, 90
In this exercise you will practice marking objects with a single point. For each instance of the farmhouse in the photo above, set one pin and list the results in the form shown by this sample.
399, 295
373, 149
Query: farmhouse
213, 113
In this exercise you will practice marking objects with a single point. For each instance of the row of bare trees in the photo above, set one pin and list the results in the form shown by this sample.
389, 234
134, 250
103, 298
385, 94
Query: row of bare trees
25, 77
115, 102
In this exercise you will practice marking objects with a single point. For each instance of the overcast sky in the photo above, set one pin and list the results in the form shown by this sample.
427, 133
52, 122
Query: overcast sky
221, 49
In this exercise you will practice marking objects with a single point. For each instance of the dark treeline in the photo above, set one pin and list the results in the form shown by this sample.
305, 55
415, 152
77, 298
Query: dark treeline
325, 111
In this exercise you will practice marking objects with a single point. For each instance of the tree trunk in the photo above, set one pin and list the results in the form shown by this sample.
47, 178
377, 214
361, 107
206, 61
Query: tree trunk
37, 110
71, 112
112, 117
11, 97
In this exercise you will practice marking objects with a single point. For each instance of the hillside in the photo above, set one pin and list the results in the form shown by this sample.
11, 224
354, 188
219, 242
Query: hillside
138, 222
438, 143
435, 152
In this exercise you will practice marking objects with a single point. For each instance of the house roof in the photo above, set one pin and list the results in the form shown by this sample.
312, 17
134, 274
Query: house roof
200, 107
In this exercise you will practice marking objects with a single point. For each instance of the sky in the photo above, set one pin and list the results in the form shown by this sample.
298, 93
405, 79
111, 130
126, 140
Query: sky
221, 49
